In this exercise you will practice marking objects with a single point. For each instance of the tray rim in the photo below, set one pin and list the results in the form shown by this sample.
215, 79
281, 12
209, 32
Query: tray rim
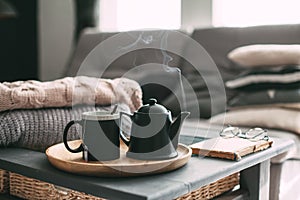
182, 160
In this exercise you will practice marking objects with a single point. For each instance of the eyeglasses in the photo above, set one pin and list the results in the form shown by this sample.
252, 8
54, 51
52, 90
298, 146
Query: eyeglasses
252, 134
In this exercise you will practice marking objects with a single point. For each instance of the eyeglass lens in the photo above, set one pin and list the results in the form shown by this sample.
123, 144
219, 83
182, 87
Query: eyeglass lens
256, 133
230, 131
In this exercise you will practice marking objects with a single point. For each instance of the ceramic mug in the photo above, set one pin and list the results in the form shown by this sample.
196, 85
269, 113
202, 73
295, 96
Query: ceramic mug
100, 138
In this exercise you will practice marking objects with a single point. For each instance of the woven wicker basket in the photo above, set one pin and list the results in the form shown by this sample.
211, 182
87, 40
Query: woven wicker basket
4, 181
214, 189
33, 189
28, 188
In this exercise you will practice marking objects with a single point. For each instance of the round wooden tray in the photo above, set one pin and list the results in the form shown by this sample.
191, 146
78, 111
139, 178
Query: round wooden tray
62, 159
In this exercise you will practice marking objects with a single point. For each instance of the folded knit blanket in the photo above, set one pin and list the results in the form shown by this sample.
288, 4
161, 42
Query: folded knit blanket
69, 91
38, 129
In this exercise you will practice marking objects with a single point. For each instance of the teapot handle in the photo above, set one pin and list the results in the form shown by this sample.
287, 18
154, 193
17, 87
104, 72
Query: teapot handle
123, 137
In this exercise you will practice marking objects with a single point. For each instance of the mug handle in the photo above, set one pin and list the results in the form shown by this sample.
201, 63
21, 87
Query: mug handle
65, 136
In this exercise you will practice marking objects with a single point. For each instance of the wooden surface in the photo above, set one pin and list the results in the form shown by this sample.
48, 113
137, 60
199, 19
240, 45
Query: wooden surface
61, 158
196, 173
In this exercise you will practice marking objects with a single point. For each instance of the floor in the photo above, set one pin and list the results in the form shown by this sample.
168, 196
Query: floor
290, 180
288, 174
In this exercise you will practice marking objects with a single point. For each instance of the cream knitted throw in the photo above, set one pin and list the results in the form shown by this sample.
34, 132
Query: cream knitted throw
69, 91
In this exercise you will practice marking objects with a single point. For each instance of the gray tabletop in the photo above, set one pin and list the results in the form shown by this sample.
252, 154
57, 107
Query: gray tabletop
197, 172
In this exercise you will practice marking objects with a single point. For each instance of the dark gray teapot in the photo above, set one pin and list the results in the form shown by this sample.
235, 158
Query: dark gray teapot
154, 135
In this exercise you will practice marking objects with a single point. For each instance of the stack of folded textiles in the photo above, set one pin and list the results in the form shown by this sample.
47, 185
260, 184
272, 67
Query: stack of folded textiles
268, 90
33, 114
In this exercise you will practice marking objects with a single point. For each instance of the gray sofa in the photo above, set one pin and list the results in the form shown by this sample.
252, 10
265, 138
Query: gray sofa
217, 42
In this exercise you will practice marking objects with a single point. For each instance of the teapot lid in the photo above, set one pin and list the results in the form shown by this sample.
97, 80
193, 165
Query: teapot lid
153, 108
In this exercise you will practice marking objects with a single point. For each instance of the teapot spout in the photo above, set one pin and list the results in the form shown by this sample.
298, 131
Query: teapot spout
176, 126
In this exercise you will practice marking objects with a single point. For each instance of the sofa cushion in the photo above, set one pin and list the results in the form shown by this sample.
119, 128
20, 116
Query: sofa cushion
277, 118
267, 98
283, 77
257, 55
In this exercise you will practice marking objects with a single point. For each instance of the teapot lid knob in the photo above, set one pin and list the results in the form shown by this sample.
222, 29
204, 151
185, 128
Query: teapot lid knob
152, 101
153, 107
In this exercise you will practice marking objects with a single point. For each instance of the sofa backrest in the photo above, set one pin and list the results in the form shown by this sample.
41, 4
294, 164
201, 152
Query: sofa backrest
90, 40
216, 41
219, 41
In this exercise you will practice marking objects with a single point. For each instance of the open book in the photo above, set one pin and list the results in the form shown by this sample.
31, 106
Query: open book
229, 148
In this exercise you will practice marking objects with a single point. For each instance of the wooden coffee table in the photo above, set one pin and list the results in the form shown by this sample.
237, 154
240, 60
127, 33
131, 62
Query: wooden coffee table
198, 172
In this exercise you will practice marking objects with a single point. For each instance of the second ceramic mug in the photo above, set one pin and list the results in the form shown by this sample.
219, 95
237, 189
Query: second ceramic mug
100, 136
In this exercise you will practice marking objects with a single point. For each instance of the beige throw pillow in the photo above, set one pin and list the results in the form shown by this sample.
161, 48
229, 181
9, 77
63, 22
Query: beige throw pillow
276, 118
266, 55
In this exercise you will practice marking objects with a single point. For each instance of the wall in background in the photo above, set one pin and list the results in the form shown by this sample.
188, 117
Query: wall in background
18, 45
39, 42
196, 14
56, 26
127, 15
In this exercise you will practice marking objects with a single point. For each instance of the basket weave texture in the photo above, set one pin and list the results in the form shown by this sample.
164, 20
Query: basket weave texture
214, 189
4, 181
33, 189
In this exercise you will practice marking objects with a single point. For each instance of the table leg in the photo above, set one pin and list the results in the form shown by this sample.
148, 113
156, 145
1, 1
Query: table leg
275, 171
256, 180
